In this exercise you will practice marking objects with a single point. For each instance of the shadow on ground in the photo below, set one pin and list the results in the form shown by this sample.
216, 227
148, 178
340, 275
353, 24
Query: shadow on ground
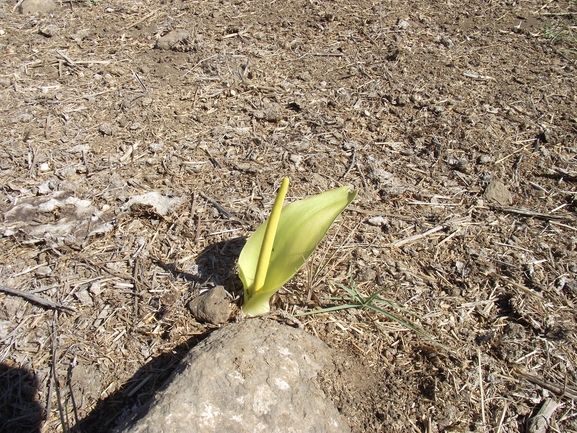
216, 265
136, 391
19, 409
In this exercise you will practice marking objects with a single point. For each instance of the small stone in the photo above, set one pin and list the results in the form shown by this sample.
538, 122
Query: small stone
402, 100
156, 146
497, 191
96, 288
485, 159
172, 39
81, 35
37, 6
378, 221
44, 188
48, 31
403, 25
212, 306
366, 274
107, 128
271, 112
458, 163
44, 166
43, 271
84, 297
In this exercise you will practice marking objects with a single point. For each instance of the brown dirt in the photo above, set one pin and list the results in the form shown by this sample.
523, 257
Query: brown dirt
459, 117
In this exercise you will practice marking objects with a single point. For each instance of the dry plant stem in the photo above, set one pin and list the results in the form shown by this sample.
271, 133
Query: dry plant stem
500, 426
481, 390
221, 209
540, 423
37, 299
530, 213
54, 378
73, 400
518, 286
561, 390
410, 239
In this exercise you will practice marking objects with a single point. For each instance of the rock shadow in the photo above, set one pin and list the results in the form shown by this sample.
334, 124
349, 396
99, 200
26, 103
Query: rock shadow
20, 412
215, 265
136, 391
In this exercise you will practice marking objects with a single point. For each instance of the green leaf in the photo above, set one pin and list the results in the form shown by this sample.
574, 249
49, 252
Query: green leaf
301, 227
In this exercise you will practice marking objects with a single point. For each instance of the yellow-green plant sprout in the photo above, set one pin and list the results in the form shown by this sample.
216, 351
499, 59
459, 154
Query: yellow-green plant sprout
282, 244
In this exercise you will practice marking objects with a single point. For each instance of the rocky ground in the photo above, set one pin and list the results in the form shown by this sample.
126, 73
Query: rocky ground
142, 142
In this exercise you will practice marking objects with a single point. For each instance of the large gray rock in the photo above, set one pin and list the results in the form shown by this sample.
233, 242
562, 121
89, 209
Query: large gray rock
254, 376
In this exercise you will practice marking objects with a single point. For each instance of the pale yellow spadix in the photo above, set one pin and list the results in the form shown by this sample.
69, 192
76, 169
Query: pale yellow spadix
282, 251
269, 236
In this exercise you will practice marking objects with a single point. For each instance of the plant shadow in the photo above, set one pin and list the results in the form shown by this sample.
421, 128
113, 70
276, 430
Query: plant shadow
215, 265
19, 409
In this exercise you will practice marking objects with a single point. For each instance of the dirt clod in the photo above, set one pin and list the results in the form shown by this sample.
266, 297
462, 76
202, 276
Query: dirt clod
213, 306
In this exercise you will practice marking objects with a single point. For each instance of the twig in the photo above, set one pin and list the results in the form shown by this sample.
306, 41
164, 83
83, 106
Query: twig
86, 163
37, 299
561, 390
326, 54
500, 426
565, 174
72, 399
481, 390
530, 213
63, 417
518, 285
220, 209
65, 57
513, 153
410, 239
558, 14
475, 76
351, 165
540, 422
147, 16
198, 64
17, 5
144, 89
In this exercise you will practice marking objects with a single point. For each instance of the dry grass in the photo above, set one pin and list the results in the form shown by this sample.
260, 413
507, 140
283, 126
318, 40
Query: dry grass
421, 119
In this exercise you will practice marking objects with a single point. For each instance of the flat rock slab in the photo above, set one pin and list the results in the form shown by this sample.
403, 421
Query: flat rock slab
254, 376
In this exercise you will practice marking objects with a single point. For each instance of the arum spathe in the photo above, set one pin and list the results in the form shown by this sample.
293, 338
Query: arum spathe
281, 245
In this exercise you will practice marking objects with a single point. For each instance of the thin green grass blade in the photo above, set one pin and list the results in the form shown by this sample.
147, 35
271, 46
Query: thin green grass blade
407, 325
327, 310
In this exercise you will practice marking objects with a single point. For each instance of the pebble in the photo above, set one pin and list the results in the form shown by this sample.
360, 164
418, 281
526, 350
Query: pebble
212, 306
367, 274
403, 25
497, 191
48, 31
43, 271
485, 159
172, 39
378, 221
